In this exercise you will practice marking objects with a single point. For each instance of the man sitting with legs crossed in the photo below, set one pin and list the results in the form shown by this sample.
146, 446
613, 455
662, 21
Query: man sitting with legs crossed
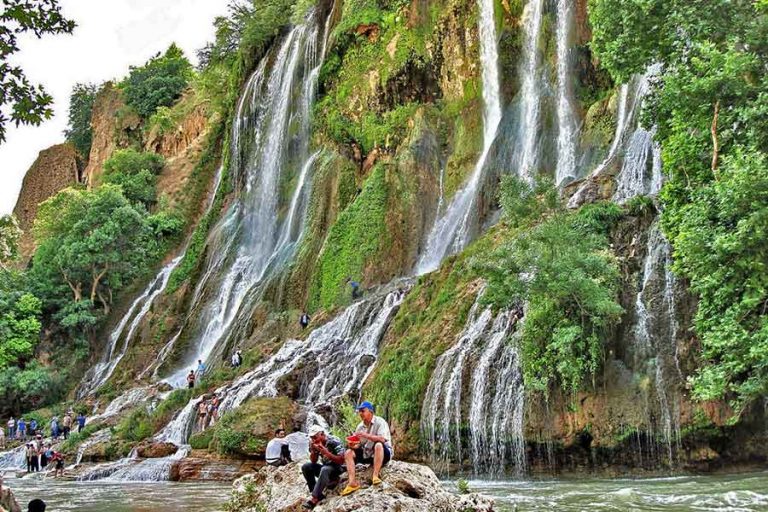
375, 446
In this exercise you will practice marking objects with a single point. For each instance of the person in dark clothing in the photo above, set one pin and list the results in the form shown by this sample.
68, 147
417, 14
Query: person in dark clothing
331, 452
304, 320
191, 379
355, 288
36, 505
80, 422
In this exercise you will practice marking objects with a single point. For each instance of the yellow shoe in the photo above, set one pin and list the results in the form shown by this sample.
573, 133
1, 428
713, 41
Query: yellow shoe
376, 481
349, 489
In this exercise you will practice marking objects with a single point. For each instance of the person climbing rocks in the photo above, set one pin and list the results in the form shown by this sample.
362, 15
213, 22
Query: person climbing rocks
58, 460
80, 422
55, 427
375, 446
304, 320
237, 358
11, 428
202, 414
355, 288
278, 452
36, 505
191, 379
66, 425
328, 449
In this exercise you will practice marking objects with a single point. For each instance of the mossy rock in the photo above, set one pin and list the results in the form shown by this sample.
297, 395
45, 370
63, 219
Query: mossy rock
246, 430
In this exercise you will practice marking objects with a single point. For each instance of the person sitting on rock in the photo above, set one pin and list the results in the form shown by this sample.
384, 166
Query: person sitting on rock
278, 452
375, 446
332, 453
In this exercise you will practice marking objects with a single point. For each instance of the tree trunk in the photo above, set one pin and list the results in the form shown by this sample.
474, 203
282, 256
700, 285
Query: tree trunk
715, 142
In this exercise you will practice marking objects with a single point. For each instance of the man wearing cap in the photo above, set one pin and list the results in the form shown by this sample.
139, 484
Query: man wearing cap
332, 453
375, 446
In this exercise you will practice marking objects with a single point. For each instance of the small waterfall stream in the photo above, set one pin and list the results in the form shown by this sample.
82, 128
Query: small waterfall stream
655, 339
567, 133
485, 355
530, 93
452, 231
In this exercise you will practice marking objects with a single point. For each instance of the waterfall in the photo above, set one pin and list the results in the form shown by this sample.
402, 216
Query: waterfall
655, 336
636, 144
332, 362
253, 241
566, 117
531, 92
13, 459
98, 437
452, 231
484, 353
128, 399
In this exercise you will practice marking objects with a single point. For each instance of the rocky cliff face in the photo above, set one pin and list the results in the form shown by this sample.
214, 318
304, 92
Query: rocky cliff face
54, 169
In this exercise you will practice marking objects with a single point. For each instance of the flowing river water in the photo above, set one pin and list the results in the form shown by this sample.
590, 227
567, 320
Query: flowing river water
734, 493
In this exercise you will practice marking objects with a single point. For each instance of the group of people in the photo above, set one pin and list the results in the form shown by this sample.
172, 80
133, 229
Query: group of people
371, 443
22, 429
40, 455
195, 375
207, 412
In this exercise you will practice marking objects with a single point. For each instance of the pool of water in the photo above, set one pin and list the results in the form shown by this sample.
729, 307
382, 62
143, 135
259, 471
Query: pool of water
101, 496
733, 493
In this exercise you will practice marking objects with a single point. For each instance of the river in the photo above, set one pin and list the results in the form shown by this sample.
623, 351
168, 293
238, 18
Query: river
735, 493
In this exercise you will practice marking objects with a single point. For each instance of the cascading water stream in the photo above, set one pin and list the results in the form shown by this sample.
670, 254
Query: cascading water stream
567, 133
655, 336
485, 354
452, 231
253, 241
530, 93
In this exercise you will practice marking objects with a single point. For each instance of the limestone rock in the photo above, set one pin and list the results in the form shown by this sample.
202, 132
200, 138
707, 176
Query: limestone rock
55, 169
204, 469
156, 449
406, 488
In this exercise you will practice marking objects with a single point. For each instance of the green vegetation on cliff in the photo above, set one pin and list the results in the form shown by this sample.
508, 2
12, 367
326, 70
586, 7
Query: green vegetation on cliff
79, 130
158, 83
709, 104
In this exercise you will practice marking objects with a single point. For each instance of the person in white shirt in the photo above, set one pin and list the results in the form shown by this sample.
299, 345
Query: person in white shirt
371, 444
278, 451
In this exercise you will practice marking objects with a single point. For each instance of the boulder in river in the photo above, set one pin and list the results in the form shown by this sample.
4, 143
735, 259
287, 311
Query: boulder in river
406, 488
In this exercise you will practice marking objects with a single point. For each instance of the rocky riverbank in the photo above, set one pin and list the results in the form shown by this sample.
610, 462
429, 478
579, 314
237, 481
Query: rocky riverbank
406, 488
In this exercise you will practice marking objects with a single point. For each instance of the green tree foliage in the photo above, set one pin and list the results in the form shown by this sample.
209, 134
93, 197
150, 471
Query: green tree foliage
710, 104
10, 234
90, 245
21, 101
563, 272
158, 83
78, 131
136, 173
27, 388
19, 326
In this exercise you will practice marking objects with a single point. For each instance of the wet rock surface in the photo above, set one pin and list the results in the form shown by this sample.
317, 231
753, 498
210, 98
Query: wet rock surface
406, 487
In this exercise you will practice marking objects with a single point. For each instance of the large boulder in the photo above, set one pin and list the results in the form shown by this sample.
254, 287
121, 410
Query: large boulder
406, 488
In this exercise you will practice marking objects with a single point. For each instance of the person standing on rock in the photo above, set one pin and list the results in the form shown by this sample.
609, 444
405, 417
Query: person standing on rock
66, 425
11, 428
80, 422
304, 320
21, 429
202, 414
328, 449
2, 438
191, 379
55, 428
375, 448
200, 368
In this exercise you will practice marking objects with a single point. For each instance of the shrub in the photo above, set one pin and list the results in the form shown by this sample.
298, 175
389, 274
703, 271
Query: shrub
158, 83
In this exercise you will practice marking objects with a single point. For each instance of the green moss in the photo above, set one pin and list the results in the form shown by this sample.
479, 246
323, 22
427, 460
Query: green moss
357, 236
246, 430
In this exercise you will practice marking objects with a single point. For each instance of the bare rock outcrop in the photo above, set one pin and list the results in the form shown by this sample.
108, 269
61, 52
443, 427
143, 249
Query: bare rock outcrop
55, 169
406, 488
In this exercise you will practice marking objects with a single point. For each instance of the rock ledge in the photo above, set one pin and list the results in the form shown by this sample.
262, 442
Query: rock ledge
406, 488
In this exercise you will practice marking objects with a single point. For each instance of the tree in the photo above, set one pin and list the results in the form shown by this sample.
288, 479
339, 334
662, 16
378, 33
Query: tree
136, 173
21, 101
10, 234
710, 105
19, 326
79, 131
90, 245
158, 83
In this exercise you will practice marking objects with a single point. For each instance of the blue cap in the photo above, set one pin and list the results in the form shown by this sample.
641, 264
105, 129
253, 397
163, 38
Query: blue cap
366, 405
